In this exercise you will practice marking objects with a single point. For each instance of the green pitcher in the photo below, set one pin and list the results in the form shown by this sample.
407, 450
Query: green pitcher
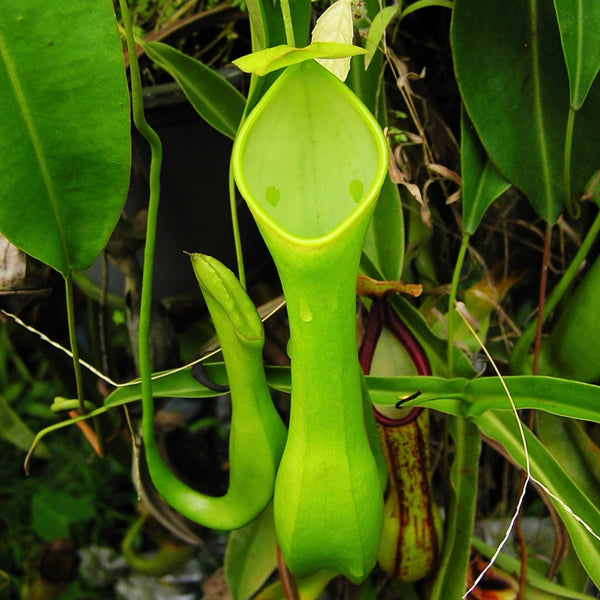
310, 160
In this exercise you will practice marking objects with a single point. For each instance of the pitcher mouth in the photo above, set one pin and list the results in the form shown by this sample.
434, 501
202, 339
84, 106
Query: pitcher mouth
310, 159
388, 421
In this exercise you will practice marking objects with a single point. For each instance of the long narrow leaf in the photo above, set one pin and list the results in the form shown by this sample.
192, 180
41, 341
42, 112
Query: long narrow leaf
578, 22
533, 578
502, 428
213, 97
461, 397
14, 431
180, 384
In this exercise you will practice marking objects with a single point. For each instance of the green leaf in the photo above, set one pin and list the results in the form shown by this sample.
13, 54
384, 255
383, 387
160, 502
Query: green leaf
558, 435
65, 129
481, 181
14, 431
502, 428
380, 22
469, 398
535, 579
384, 242
458, 396
586, 149
511, 74
578, 22
558, 396
278, 57
213, 97
54, 512
251, 555
180, 384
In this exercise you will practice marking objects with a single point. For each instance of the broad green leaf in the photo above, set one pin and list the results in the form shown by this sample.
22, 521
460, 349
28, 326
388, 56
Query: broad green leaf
481, 181
502, 428
586, 149
213, 97
451, 576
14, 431
579, 25
64, 131
251, 555
511, 74
54, 512
278, 57
558, 396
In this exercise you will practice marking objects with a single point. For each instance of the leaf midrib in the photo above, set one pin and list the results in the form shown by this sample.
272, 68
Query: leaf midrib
538, 109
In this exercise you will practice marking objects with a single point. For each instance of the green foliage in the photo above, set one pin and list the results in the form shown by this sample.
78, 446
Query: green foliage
481, 181
518, 98
577, 22
64, 132
310, 160
251, 556
54, 513
214, 98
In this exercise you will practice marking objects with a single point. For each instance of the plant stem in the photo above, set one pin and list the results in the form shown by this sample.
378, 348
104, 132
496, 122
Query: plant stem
450, 580
153, 201
76, 365
236, 230
572, 209
450, 320
287, 23
541, 298
73, 342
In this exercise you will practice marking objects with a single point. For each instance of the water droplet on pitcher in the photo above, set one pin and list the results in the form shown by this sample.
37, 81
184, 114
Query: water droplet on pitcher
305, 312
273, 195
356, 189
357, 570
